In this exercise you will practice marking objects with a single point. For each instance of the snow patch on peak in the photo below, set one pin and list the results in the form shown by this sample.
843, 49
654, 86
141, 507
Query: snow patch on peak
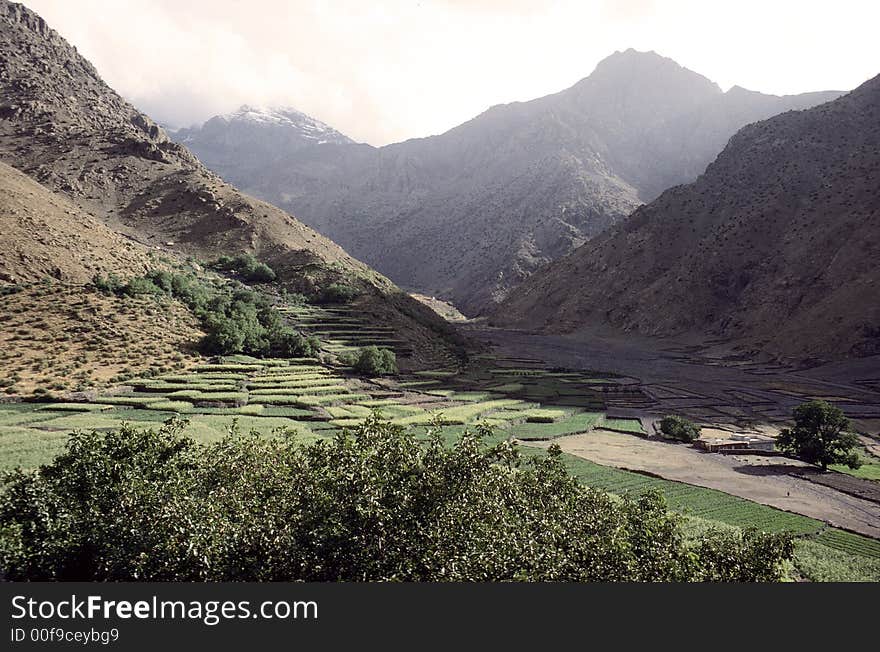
286, 116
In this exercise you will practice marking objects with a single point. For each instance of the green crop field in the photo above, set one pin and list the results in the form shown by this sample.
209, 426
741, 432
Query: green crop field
849, 542
577, 423
869, 470
298, 391
314, 401
76, 407
625, 425
172, 406
293, 384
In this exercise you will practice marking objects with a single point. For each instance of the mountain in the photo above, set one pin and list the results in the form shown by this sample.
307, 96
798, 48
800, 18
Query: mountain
61, 125
467, 215
245, 142
774, 247
45, 235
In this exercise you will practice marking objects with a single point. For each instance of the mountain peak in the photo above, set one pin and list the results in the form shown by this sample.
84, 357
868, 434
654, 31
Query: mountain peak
285, 117
632, 53
650, 68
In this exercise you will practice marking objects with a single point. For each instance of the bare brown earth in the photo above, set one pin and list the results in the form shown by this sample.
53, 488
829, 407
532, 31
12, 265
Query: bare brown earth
43, 235
764, 480
62, 338
443, 308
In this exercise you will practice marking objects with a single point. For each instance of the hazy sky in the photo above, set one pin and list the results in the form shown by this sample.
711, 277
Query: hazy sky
396, 69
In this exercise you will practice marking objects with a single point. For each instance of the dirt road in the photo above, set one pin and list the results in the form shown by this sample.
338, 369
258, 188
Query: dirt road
763, 480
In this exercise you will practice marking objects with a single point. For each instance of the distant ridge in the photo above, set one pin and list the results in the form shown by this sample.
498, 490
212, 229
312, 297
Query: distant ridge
469, 214
774, 247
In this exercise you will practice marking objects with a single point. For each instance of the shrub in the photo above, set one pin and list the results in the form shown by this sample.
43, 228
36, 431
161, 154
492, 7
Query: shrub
236, 322
141, 285
373, 504
373, 361
338, 293
679, 428
293, 298
110, 284
246, 267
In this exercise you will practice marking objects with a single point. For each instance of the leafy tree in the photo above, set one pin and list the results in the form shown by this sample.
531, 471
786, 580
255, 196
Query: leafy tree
676, 427
110, 284
224, 337
820, 436
373, 361
374, 503
162, 280
140, 285
286, 343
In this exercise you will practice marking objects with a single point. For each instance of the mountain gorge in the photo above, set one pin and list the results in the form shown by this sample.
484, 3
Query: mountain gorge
774, 247
467, 215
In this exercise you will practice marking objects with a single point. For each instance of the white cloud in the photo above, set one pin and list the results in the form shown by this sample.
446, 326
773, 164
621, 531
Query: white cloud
385, 71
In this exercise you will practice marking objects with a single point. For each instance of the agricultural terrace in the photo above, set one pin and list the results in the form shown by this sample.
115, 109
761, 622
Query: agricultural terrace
306, 399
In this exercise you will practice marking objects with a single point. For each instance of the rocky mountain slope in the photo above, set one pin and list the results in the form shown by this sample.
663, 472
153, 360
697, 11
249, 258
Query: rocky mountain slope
45, 235
775, 246
64, 127
469, 214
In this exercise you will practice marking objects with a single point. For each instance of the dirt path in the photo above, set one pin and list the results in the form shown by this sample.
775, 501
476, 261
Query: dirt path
763, 480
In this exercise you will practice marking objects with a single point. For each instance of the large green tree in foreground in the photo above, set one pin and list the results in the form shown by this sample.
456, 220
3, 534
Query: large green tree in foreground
820, 436
372, 504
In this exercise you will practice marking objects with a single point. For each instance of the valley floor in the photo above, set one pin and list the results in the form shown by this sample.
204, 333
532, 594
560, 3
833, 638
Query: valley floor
682, 379
597, 397
730, 394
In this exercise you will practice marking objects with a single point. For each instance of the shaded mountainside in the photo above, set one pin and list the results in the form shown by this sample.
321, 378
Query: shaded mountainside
775, 246
469, 214
63, 126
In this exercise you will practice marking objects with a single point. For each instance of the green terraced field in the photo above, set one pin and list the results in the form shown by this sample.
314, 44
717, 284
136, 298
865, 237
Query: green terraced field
848, 542
582, 422
869, 470
76, 407
314, 401
172, 406
298, 391
625, 425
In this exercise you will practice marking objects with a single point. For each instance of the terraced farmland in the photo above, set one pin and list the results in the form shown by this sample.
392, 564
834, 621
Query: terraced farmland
716, 506
302, 396
309, 400
343, 330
